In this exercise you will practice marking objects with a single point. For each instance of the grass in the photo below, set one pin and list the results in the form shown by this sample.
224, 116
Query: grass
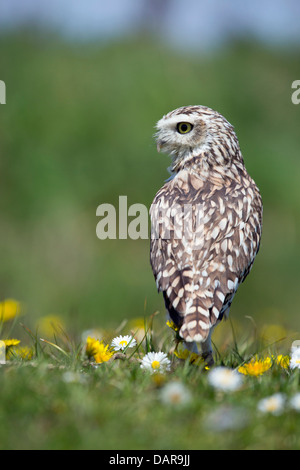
59, 399
76, 132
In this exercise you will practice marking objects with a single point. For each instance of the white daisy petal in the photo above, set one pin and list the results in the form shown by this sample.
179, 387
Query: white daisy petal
155, 362
295, 402
121, 342
295, 346
175, 394
273, 404
226, 418
225, 379
295, 359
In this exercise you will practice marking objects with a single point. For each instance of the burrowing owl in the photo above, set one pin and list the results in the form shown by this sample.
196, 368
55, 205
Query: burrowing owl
206, 222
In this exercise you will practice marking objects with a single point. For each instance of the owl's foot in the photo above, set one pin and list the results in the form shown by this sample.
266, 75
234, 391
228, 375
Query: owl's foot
208, 358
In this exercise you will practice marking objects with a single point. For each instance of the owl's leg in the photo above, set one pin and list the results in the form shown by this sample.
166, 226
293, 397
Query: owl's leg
191, 346
206, 349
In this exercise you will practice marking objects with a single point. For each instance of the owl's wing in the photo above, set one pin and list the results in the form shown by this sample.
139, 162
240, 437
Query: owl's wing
203, 244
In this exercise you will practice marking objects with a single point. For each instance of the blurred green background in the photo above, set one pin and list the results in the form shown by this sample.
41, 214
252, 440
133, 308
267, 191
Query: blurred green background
77, 131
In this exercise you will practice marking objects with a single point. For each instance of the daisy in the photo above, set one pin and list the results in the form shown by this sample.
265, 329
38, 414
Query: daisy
2, 352
225, 379
295, 359
273, 404
175, 394
227, 418
295, 346
73, 377
295, 402
122, 342
155, 362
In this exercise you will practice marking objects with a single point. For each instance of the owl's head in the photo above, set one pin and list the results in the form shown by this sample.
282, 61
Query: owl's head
194, 130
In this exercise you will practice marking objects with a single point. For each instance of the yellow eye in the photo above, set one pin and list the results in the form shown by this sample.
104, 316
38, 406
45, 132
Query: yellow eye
184, 127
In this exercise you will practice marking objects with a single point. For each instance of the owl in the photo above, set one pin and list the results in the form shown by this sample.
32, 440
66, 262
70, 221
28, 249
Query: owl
206, 223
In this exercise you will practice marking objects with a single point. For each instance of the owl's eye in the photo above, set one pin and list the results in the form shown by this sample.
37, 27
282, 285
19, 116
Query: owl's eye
184, 127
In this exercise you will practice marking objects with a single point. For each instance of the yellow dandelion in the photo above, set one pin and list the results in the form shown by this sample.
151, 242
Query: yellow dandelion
50, 325
98, 350
183, 353
9, 345
272, 333
25, 353
9, 309
172, 325
91, 346
197, 360
282, 361
256, 366
11, 342
103, 354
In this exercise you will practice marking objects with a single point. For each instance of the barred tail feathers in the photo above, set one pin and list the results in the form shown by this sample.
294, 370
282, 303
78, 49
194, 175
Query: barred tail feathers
200, 315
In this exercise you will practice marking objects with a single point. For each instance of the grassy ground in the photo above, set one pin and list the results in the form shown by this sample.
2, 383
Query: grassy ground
61, 400
76, 132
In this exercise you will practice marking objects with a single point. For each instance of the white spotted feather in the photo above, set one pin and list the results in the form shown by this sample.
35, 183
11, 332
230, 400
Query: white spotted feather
199, 269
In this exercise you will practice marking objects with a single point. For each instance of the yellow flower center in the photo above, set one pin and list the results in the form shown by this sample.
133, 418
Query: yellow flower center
175, 398
227, 377
155, 364
272, 405
123, 343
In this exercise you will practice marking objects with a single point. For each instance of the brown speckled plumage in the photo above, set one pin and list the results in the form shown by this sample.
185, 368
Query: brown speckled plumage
206, 221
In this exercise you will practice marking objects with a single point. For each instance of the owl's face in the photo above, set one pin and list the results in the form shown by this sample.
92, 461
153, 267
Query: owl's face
192, 130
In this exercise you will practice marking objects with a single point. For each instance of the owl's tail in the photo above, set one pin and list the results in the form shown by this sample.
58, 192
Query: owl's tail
200, 316
196, 324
